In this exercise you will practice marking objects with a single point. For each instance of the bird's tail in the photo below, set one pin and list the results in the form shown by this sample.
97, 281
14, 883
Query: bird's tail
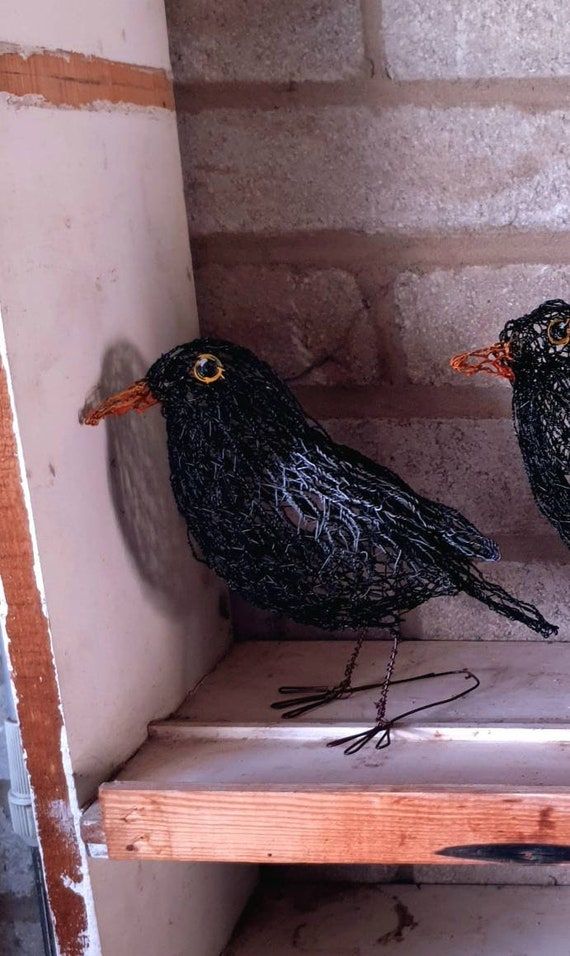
495, 597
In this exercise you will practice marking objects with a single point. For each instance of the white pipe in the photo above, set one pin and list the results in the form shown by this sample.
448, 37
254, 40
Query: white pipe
19, 794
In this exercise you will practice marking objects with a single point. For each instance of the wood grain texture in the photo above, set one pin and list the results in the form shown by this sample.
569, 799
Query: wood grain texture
225, 779
333, 826
92, 824
38, 703
72, 79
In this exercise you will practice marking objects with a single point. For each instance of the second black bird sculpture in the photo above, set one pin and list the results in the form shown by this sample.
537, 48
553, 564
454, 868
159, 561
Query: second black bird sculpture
533, 353
295, 522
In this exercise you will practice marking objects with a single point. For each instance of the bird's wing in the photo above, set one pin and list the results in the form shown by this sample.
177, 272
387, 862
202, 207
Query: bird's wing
542, 422
441, 520
557, 430
460, 534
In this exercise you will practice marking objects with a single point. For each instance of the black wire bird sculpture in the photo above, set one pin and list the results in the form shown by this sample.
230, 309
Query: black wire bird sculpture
301, 525
533, 353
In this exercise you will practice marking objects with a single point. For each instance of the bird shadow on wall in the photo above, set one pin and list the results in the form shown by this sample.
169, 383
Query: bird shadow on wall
139, 481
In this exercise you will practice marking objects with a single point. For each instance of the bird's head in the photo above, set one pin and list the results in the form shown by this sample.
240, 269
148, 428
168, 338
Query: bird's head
534, 343
202, 377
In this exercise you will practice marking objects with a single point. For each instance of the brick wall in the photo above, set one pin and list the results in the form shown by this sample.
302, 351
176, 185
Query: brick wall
370, 188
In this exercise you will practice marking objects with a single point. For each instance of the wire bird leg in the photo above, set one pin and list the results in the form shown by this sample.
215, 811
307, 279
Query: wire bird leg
321, 692
382, 728
322, 695
357, 741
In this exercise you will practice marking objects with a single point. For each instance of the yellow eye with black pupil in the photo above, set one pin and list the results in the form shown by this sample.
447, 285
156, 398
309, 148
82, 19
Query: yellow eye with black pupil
208, 369
559, 332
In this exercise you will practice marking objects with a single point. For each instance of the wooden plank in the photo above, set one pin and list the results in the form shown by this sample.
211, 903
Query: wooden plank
299, 757
520, 681
92, 825
34, 678
226, 779
509, 732
329, 826
73, 79
181, 755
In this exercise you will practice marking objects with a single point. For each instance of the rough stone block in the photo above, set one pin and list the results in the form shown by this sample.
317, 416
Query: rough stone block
459, 38
443, 312
275, 41
463, 618
472, 465
311, 325
395, 170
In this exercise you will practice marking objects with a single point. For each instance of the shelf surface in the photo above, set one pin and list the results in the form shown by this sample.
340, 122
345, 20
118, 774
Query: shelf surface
397, 920
226, 778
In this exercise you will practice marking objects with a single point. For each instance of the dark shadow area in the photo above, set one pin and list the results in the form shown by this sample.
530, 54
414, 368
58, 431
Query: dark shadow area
139, 481
256, 624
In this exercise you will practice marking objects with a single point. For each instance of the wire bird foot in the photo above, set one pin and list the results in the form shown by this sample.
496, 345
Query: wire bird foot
356, 742
320, 697
314, 696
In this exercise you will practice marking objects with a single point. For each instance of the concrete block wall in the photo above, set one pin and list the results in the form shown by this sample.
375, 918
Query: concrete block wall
370, 188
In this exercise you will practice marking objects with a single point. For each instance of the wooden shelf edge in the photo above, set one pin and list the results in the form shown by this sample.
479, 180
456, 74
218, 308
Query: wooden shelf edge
226, 780
92, 832
179, 730
395, 826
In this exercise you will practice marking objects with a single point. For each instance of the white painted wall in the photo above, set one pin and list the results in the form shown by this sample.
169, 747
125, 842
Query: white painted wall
132, 31
96, 281
98, 264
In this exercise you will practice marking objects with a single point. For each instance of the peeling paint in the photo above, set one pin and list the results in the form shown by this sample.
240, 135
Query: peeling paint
35, 100
63, 813
75, 80
25, 51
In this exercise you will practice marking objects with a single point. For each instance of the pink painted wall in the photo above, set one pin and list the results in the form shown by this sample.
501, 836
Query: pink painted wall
99, 266
96, 281
132, 31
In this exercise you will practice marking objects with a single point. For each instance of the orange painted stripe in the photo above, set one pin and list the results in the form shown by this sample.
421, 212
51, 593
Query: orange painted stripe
72, 79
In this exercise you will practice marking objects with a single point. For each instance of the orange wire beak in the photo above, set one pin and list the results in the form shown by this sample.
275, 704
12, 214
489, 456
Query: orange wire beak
137, 397
495, 360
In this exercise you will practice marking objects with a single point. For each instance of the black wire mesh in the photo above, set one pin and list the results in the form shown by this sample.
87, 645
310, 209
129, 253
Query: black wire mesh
539, 346
293, 521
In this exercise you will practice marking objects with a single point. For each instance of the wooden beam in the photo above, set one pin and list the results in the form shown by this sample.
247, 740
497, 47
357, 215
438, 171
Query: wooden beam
226, 779
326, 826
34, 680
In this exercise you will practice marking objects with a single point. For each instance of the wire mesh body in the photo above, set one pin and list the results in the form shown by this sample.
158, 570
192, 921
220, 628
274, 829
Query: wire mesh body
301, 525
540, 347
